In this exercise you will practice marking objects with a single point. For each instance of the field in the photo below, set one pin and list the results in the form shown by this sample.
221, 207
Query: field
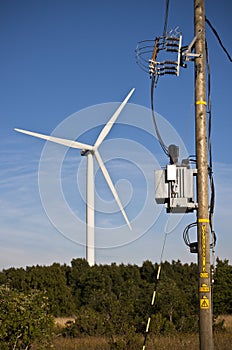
190, 342
227, 322
222, 340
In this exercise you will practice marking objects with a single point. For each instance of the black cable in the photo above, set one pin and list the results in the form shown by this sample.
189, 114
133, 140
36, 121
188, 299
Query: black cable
161, 142
166, 18
219, 39
154, 80
153, 299
210, 167
192, 158
186, 237
186, 233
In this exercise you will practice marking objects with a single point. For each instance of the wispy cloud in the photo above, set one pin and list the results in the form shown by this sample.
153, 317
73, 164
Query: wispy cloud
27, 235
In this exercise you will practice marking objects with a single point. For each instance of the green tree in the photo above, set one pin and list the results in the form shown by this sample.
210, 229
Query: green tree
52, 279
87, 323
24, 319
16, 278
79, 270
222, 291
115, 300
147, 271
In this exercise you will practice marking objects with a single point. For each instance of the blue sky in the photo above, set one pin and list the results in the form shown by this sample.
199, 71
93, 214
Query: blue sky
59, 61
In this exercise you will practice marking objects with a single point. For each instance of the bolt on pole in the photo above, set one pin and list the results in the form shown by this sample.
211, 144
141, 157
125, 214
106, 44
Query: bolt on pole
204, 285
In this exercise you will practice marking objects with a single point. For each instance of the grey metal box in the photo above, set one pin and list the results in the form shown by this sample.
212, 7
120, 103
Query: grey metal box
178, 194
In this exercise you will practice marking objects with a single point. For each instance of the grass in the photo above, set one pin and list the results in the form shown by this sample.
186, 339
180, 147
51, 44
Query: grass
61, 321
190, 342
90, 343
181, 342
222, 340
227, 321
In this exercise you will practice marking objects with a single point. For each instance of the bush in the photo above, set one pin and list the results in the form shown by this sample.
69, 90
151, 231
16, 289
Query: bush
24, 319
87, 323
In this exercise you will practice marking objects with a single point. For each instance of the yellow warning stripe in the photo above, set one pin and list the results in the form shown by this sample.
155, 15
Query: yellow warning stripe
201, 103
203, 220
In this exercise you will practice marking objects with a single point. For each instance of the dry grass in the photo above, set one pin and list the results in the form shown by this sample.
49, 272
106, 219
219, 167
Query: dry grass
87, 343
181, 342
222, 341
61, 321
227, 321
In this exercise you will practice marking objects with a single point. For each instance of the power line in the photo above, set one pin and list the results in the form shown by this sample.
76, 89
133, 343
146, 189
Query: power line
218, 38
161, 142
154, 80
210, 167
166, 18
153, 299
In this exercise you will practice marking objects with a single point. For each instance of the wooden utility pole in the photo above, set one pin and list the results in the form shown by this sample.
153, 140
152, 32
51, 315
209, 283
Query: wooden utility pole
205, 304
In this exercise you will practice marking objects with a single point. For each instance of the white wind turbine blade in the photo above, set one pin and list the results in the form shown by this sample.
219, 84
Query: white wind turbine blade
111, 186
105, 131
65, 142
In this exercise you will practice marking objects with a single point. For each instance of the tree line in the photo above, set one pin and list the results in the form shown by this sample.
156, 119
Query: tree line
115, 299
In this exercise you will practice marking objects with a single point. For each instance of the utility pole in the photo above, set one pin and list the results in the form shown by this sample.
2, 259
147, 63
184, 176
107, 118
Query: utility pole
203, 232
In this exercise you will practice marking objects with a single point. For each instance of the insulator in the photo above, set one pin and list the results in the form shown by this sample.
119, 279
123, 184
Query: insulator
170, 67
172, 50
168, 46
171, 73
170, 38
170, 62
172, 45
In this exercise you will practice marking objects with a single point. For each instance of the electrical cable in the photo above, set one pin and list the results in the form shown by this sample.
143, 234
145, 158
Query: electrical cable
209, 112
187, 239
192, 158
154, 293
186, 233
154, 80
166, 18
161, 142
218, 38
210, 167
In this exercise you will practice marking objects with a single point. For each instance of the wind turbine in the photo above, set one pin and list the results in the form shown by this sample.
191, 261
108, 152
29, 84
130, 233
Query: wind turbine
91, 152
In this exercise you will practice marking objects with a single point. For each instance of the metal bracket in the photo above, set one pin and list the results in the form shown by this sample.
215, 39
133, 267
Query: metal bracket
187, 54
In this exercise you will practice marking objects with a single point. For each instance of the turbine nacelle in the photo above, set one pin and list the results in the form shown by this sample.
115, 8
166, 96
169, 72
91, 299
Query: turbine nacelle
84, 152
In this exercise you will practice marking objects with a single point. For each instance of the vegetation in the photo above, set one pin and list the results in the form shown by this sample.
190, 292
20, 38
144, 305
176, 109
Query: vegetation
110, 303
177, 342
24, 319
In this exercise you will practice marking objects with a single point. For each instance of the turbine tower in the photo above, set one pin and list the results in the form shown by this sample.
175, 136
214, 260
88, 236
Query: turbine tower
90, 152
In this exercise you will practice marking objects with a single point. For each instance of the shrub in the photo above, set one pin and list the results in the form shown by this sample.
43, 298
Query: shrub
24, 319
